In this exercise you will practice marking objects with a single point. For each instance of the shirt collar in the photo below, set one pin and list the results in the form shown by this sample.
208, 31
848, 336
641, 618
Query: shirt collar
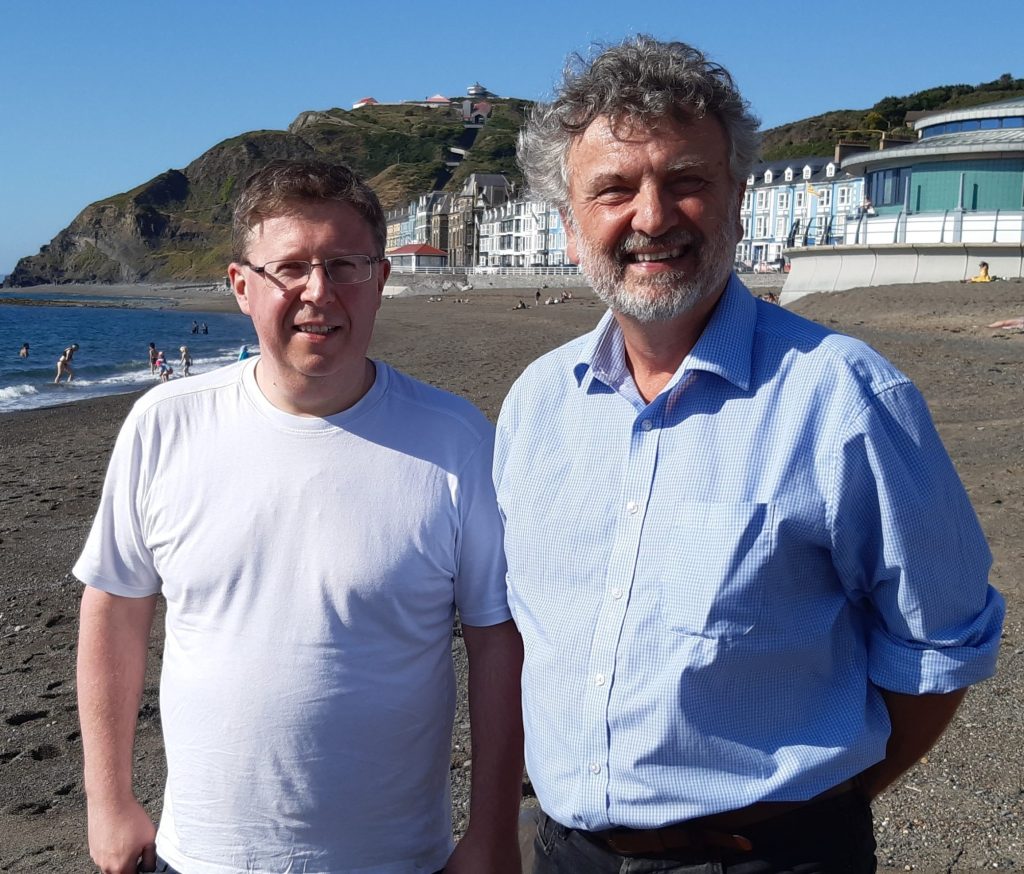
724, 348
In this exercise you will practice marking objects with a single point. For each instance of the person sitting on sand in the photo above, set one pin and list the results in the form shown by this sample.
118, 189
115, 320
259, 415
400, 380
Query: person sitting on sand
521, 305
186, 361
982, 273
23, 352
153, 355
64, 363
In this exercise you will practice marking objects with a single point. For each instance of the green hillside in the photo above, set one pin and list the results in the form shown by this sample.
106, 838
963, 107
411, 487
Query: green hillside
176, 226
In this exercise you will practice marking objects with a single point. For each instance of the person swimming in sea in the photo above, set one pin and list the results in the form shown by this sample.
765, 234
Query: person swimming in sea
23, 351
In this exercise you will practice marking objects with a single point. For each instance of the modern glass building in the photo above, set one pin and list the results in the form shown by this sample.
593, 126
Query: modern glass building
971, 160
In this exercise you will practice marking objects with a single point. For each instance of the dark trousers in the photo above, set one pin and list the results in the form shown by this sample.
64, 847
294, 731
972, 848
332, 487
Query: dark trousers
833, 836
163, 868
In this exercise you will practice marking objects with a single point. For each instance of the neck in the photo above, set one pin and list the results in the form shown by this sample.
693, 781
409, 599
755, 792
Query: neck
654, 350
317, 397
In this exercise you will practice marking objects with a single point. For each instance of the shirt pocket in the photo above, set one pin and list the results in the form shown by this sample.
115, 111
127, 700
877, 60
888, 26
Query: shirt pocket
713, 581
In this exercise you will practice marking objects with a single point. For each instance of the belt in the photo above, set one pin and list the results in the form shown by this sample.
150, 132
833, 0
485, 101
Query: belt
718, 831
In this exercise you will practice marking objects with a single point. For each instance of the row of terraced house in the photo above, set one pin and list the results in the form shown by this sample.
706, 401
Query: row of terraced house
488, 227
959, 183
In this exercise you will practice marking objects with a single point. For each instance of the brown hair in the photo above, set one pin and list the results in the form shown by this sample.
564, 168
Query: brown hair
274, 190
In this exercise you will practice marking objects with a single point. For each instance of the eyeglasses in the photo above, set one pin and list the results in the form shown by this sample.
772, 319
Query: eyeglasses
293, 275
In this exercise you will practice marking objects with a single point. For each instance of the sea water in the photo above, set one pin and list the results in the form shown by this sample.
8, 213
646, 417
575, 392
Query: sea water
113, 344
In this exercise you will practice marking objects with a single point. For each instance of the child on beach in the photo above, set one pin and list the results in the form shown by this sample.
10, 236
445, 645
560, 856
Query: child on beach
186, 360
165, 369
153, 355
64, 363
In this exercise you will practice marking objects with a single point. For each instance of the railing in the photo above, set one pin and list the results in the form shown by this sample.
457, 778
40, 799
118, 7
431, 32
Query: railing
569, 270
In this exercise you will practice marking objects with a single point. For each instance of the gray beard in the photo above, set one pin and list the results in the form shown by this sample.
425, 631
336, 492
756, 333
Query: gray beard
664, 296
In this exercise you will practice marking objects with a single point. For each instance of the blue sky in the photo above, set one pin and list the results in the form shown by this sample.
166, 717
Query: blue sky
96, 98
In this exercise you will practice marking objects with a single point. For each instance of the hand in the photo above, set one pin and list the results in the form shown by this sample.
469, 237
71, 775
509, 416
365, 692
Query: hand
475, 854
122, 839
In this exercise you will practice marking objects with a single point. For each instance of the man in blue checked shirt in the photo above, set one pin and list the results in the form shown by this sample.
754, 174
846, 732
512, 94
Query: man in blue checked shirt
751, 588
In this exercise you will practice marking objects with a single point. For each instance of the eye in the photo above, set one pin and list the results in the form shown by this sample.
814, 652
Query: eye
613, 194
288, 269
687, 184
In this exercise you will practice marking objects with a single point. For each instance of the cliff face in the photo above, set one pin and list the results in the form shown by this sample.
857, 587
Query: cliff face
177, 226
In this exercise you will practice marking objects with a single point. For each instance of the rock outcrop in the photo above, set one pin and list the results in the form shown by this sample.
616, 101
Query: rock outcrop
177, 226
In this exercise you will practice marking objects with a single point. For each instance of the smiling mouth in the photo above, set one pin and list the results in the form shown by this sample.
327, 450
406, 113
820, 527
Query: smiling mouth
649, 257
316, 329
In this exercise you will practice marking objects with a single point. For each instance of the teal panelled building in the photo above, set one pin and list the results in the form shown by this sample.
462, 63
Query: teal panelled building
968, 159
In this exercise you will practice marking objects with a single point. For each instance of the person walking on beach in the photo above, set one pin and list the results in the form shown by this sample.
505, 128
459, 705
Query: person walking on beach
773, 593
23, 352
186, 361
64, 364
153, 356
314, 520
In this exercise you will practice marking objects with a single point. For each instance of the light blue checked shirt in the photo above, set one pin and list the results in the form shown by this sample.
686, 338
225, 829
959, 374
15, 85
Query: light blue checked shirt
712, 587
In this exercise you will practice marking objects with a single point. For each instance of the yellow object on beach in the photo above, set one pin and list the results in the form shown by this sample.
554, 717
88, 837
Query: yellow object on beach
982, 274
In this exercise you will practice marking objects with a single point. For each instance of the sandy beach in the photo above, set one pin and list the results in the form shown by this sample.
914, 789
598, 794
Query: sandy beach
961, 809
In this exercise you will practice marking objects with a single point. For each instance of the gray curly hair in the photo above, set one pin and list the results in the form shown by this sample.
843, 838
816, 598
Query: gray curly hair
641, 80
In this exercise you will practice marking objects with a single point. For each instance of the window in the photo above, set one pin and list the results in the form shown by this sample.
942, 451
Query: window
750, 179
887, 187
798, 200
789, 174
780, 228
746, 201
825, 198
768, 177
843, 196
830, 170
759, 228
807, 172
783, 200
762, 197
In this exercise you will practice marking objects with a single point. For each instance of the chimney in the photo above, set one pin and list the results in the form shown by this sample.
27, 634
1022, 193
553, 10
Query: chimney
844, 150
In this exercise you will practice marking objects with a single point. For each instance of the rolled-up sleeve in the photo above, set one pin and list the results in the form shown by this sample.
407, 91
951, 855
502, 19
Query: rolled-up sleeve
908, 547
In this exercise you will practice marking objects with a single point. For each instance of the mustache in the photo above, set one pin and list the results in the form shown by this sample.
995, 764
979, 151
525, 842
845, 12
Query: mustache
672, 240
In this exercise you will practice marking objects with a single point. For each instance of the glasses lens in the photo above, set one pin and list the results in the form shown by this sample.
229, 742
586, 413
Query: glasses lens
287, 273
349, 269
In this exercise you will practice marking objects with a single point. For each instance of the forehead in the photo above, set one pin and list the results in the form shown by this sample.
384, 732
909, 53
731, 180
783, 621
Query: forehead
625, 147
302, 225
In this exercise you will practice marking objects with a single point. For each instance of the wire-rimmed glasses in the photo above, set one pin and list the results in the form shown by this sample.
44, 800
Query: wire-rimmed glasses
292, 274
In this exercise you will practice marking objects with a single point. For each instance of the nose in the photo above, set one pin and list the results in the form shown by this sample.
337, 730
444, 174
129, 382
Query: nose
655, 211
318, 284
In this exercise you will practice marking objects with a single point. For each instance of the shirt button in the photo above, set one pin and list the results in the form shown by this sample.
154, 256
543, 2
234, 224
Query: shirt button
595, 768
632, 507
599, 679
647, 424
616, 593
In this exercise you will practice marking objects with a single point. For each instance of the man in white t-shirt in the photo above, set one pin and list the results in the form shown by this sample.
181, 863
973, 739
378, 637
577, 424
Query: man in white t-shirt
314, 520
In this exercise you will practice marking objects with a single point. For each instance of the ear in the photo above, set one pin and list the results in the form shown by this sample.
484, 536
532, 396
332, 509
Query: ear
383, 272
570, 238
741, 189
237, 280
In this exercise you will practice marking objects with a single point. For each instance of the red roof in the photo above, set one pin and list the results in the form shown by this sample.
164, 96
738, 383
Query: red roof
416, 249
365, 101
438, 98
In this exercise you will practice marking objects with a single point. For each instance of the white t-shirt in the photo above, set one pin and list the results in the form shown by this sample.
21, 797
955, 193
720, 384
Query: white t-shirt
312, 569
